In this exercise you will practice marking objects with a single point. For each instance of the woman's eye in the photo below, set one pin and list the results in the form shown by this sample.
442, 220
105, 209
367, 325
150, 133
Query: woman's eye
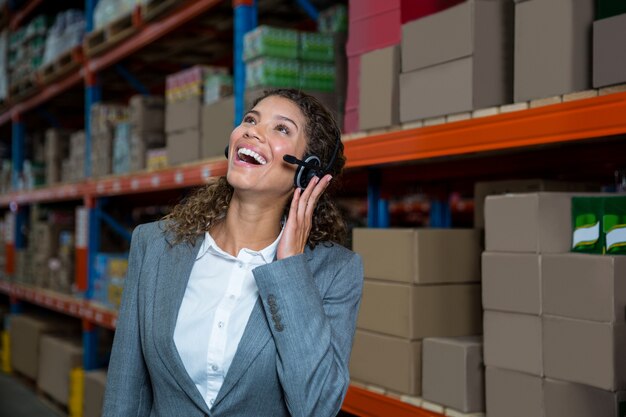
249, 119
283, 129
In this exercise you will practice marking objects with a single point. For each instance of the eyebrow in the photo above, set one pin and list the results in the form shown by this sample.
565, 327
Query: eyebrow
288, 120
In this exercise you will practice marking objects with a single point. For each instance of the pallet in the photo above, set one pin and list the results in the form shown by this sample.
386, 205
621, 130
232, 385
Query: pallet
65, 63
103, 39
23, 88
154, 9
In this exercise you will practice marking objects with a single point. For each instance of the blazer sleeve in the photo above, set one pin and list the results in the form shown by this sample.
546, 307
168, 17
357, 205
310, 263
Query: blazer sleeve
128, 391
313, 333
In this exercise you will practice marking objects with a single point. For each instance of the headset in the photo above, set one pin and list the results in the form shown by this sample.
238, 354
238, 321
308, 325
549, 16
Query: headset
308, 168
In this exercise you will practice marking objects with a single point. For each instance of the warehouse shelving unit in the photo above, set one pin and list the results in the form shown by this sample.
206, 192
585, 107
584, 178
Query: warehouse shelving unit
582, 121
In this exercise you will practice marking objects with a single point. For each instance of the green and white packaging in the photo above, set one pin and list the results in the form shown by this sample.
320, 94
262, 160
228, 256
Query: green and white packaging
586, 224
319, 47
268, 41
614, 225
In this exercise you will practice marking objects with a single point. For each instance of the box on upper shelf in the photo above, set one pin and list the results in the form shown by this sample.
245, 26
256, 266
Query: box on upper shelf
552, 47
379, 94
147, 113
419, 255
453, 373
567, 399
414, 311
513, 394
217, 125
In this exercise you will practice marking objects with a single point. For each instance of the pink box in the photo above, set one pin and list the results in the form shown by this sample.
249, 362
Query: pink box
354, 77
413, 10
351, 121
363, 9
375, 32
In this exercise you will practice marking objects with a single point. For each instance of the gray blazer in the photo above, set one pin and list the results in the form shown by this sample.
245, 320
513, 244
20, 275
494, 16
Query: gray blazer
293, 356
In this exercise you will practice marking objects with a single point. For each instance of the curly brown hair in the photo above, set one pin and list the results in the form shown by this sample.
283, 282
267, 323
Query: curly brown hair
208, 205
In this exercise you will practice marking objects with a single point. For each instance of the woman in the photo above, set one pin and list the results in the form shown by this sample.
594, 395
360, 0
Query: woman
241, 303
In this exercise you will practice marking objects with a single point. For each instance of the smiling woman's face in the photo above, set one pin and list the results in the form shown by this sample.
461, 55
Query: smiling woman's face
273, 128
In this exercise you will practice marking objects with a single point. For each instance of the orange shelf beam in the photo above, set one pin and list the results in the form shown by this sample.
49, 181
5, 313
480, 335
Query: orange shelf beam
560, 123
151, 32
364, 403
62, 303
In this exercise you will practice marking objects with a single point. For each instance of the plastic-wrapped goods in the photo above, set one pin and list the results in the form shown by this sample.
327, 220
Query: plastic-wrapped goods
217, 86
318, 47
318, 76
107, 11
189, 82
26, 49
104, 117
273, 72
110, 271
67, 32
268, 41
333, 19
4, 65
121, 149
156, 158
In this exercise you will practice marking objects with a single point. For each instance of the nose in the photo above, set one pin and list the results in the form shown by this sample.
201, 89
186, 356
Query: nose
254, 131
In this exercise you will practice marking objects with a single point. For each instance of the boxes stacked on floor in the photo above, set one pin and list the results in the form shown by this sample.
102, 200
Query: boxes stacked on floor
411, 292
73, 168
147, 131
552, 47
184, 114
66, 32
110, 270
57, 144
26, 49
554, 327
104, 119
609, 59
93, 398
373, 50
468, 68
58, 356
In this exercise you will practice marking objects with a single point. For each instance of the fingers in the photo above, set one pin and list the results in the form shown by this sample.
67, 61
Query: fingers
316, 194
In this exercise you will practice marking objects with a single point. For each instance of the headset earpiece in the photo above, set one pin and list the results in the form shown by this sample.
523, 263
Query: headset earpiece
226, 152
304, 174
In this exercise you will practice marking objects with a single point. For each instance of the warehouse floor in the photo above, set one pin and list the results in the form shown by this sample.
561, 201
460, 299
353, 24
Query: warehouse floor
16, 400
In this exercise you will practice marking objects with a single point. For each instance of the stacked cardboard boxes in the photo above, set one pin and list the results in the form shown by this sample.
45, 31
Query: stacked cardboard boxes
469, 66
57, 357
552, 47
609, 60
73, 168
147, 129
412, 292
104, 118
93, 397
56, 149
553, 322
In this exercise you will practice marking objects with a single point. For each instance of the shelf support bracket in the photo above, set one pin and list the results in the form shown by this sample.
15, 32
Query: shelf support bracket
377, 207
309, 8
18, 140
132, 80
90, 7
113, 224
93, 94
90, 346
245, 20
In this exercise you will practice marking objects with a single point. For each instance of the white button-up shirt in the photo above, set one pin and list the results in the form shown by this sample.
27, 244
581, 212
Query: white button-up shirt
219, 298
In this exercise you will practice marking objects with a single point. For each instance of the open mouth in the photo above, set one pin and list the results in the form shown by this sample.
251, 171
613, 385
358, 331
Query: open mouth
250, 157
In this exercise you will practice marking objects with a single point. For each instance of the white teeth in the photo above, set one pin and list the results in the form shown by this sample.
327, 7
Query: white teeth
249, 152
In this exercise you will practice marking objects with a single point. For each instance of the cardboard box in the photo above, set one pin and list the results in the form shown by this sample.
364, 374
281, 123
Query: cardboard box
57, 357
609, 58
453, 373
587, 352
513, 394
565, 399
486, 188
183, 115
217, 125
379, 96
532, 223
587, 287
147, 113
421, 256
389, 362
552, 47
93, 398
512, 282
25, 333
513, 342
183, 146
474, 28
415, 311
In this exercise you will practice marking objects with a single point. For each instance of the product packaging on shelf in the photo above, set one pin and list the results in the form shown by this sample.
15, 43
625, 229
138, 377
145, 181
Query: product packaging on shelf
270, 41
379, 90
333, 19
317, 47
189, 83
216, 87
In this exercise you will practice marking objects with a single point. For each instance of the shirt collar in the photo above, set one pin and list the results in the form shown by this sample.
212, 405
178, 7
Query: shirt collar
268, 253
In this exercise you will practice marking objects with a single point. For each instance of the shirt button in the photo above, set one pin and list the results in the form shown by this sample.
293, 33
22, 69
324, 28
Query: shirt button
220, 324
211, 401
214, 368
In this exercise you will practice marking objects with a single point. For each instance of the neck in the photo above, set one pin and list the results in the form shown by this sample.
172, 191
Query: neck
248, 224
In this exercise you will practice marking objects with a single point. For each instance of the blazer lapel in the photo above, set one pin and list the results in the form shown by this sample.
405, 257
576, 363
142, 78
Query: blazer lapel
172, 277
254, 338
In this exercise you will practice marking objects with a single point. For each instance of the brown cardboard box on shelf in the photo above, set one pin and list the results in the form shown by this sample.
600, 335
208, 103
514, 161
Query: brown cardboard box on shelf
93, 397
486, 188
57, 357
421, 256
512, 282
379, 96
25, 333
609, 59
583, 286
417, 311
183, 146
183, 115
587, 352
217, 125
388, 362
147, 113
57, 143
532, 223
552, 47
475, 27
513, 394
566, 399
513, 342
453, 373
